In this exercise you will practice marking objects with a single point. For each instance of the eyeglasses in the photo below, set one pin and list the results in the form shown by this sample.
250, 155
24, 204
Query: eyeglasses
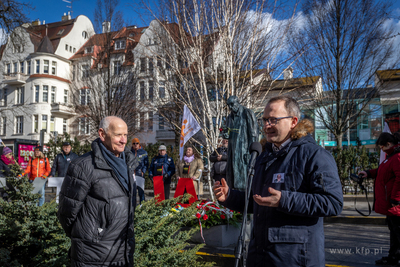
271, 121
135, 143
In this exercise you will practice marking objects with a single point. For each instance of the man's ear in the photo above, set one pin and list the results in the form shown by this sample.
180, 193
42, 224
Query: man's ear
102, 134
295, 120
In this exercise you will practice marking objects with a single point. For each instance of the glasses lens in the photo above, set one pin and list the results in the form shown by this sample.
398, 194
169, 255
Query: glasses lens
135, 143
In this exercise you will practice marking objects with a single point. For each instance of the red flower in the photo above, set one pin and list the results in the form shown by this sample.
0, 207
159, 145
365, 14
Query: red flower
198, 215
214, 212
205, 217
207, 209
220, 129
223, 216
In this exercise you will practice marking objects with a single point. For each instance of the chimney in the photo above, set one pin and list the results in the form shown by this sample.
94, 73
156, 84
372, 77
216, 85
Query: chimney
66, 17
106, 26
36, 22
288, 73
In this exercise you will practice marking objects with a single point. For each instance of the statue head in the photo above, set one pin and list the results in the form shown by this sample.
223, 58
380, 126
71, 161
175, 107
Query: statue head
233, 103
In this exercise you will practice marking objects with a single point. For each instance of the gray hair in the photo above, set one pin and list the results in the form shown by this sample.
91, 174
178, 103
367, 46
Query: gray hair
291, 105
105, 122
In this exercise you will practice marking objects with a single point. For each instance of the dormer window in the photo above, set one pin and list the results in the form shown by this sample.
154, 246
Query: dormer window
89, 50
60, 32
120, 44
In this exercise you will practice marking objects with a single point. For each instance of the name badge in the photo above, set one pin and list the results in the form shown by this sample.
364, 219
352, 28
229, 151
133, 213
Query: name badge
68, 159
278, 178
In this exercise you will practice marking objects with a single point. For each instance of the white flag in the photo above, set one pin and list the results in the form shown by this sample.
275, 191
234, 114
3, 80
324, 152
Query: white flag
386, 129
189, 128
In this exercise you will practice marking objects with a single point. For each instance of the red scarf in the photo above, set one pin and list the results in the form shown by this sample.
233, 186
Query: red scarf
6, 160
390, 151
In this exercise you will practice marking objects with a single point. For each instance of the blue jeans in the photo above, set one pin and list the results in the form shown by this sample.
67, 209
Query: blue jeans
41, 191
141, 194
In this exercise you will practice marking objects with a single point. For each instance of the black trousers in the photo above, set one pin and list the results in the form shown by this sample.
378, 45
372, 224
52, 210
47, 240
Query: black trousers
394, 227
167, 189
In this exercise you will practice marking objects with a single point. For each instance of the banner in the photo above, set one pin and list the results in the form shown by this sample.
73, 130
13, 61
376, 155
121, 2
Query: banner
25, 152
158, 183
190, 127
383, 154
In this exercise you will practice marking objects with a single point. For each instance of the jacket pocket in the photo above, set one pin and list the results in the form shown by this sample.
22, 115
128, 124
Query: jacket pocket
288, 244
101, 221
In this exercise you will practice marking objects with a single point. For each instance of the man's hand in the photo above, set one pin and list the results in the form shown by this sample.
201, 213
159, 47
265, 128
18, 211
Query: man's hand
219, 157
221, 190
271, 201
165, 177
363, 174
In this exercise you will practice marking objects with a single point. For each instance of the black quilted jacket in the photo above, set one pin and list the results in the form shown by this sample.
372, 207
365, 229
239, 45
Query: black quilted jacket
97, 212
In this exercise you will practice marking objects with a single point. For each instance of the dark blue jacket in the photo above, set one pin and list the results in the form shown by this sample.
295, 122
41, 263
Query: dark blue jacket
143, 160
164, 162
292, 234
61, 163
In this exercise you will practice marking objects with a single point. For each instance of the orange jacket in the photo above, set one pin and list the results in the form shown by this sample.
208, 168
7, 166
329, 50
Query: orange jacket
38, 167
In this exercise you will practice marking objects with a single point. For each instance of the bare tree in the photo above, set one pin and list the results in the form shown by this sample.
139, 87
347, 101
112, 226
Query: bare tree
12, 15
104, 77
344, 42
212, 49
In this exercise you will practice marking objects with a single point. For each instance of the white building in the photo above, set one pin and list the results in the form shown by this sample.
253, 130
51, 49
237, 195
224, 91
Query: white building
35, 79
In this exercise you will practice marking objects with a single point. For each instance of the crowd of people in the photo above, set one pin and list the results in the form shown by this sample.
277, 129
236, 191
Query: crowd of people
295, 185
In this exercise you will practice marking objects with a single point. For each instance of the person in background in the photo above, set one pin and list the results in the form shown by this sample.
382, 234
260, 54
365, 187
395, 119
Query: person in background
141, 169
191, 166
163, 165
387, 192
38, 167
219, 158
62, 161
6, 160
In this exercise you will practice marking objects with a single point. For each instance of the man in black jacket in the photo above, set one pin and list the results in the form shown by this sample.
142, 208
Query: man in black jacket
62, 161
98, 199
219, 158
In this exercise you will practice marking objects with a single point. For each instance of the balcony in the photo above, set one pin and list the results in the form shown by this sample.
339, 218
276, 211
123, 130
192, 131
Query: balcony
62, 110
15, 78
165, 135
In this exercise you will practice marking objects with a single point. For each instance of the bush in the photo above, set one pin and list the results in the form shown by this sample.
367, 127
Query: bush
32, 236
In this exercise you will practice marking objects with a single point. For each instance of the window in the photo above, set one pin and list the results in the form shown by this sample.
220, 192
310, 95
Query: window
4, 97
150, 123
84, 126
168, 63
151, 89
142, 92
28, 63
17, 49
117, 67
66, 47
21, 67
89, 50
159, 64
19, 124
3, 126
161, 89
151, 67
44, 122
53, 94
15, 67
64, 125
36, 93
35, 123
60, 32
142, 64
20, 95
53, 67
37, 66
73, 72
160, 122
45, 66
70, 49
84, 35
51, 123
65, 96
120, 44
45, 93
8, 67
142, 120
85, 96
74, 50
85, 71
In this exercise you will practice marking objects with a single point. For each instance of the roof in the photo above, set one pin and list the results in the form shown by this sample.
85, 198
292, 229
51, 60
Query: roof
385, 75
290, 83
53, 31
45, 46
